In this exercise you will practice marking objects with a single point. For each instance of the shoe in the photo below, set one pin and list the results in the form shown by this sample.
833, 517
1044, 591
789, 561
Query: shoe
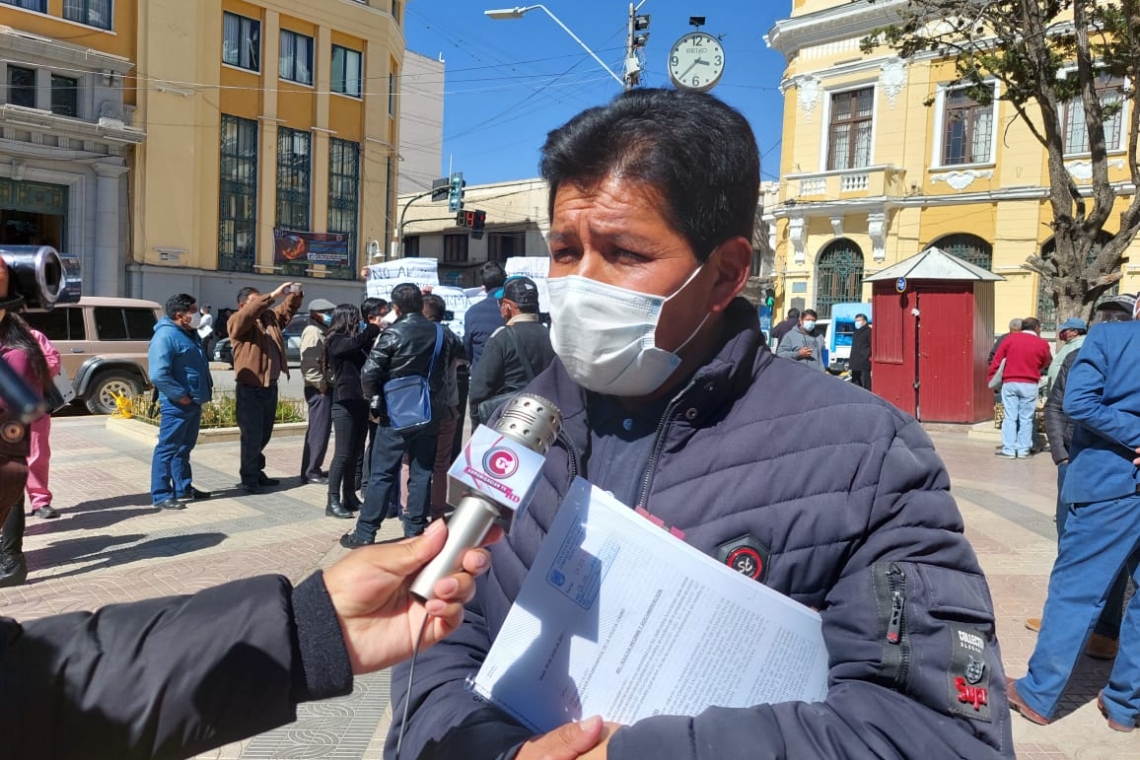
333, 508
1017, 704
46, 512
1124, 729
351, 503
320, 480
265, 480
1101, 647
195, 495
1033, 624
251, 488
1004, 455
170, 503
350, 541
13, 570
1024, 454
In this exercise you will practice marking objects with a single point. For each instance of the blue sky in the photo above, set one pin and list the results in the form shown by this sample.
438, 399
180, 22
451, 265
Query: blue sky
509, 82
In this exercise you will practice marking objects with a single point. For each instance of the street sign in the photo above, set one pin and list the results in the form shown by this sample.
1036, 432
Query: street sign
900, 284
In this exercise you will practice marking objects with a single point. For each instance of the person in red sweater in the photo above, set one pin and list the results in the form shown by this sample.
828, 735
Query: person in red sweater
1026, 356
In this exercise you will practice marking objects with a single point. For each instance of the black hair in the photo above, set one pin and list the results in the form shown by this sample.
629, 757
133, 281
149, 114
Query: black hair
434, 307
1030, 324
408, 298
15, 334
793, 313
179, 304
371, 307
809, 313
345, 321
1113, 314
245, 293
493, 275
864, 316
696, 151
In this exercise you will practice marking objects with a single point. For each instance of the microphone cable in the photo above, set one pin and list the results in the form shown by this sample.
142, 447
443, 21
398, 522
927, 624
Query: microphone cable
408, 694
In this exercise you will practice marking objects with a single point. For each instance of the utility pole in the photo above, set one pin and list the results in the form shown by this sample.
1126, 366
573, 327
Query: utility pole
637, 35
404, 213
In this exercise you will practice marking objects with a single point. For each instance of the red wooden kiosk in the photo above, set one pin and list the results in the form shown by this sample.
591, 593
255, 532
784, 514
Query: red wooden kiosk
932, 333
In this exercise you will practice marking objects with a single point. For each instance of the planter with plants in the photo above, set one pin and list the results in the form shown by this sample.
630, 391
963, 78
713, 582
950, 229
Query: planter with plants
140, 417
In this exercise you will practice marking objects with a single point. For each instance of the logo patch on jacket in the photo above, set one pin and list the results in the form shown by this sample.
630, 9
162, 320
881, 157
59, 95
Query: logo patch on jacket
746, 555
969, 677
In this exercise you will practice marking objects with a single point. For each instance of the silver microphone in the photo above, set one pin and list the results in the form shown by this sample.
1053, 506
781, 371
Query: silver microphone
529, 421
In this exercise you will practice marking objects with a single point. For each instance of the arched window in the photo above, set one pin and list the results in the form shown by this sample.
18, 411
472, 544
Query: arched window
1046, 309
967, 247
839, 275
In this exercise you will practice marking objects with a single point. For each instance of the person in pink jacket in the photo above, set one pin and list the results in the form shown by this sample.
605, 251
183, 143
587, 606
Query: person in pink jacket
39, 455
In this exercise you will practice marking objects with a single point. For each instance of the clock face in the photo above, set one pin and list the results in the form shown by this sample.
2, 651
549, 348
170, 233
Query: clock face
696, 62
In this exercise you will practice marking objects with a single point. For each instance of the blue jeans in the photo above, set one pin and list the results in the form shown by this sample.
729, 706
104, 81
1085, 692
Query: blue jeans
170, 465
387, 456
1100, 538
1020, 402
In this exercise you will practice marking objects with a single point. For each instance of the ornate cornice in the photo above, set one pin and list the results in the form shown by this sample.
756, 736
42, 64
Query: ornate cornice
855, 19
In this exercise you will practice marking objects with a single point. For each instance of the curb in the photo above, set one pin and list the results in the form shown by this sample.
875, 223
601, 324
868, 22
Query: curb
143, 431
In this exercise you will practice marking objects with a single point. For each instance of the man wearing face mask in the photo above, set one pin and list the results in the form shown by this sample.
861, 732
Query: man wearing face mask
802, 344
317, 387
670, 402
860, 361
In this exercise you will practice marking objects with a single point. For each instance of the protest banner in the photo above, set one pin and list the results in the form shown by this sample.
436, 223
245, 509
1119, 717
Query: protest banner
387, 275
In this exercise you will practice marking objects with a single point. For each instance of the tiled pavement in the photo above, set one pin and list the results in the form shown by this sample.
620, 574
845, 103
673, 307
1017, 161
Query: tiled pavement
109, 546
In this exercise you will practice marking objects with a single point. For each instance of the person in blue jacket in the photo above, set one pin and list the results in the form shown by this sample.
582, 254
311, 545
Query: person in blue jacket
181, 377
671, 401
1102, 531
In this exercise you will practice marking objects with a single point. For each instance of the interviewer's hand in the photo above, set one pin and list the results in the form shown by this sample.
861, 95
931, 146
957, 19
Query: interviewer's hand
378, 616
586, 739
1136, 461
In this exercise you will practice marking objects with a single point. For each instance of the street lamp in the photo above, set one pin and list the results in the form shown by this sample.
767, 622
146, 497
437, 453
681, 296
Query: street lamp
506, 13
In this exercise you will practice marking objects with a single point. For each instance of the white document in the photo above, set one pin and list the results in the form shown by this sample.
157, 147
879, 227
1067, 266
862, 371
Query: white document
619, 618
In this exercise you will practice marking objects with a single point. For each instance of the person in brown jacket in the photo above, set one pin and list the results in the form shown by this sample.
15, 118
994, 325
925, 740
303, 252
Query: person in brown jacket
259, 359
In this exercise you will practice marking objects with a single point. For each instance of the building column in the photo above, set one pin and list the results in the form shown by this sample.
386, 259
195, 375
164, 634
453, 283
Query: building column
109, 249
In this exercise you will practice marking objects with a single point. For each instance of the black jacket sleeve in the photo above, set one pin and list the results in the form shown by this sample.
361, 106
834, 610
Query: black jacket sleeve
169, 678
1058, 426
487, 379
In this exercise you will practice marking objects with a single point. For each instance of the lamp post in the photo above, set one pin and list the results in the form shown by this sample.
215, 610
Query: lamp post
507, 13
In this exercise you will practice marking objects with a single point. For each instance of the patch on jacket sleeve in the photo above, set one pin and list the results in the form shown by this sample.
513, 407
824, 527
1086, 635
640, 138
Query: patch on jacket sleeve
746, 555
969, 676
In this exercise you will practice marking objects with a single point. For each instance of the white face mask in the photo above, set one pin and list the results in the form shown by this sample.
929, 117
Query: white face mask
606, 335
196, 320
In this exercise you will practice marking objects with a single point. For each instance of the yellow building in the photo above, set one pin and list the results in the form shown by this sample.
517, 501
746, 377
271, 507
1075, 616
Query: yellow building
871, 174
67, 130
262, 115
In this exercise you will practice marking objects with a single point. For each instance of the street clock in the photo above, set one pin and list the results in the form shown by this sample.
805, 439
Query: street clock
696, 62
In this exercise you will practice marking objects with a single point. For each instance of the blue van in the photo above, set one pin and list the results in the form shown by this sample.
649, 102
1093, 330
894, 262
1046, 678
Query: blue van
839, 334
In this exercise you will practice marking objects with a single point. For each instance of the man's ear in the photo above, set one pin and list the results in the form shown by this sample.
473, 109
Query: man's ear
732, 264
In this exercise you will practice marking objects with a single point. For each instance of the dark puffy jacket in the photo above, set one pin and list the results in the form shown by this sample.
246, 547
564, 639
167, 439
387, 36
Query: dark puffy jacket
344, 356
480, 321
874, 528
501, 368
405, 348
169, 678
1058, 426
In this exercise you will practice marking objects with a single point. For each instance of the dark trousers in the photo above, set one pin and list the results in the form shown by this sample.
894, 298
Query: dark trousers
170, 473
256, 411
463, 383
443, 460
12, 533
387, 455
349, 420
317, 434
365, 467
861, 377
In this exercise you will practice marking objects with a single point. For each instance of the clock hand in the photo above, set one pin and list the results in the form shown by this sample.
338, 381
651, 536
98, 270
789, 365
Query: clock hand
691, 65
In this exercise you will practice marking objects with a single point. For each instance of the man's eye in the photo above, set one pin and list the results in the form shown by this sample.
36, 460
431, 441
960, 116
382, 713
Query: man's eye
630, 256
563, 254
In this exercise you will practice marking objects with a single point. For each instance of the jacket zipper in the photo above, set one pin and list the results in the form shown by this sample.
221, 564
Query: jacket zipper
658, 443
896, 629
565, 439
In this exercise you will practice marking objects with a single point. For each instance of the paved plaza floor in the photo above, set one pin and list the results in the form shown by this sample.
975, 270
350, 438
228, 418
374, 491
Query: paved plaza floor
110, 546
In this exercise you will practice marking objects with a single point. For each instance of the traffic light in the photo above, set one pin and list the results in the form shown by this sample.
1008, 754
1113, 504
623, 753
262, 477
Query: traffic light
640, 36
636, 39
464, 218
455, 192
478, 224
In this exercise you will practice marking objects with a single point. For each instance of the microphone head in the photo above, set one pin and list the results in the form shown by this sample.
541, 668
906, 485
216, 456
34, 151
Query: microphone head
531, 420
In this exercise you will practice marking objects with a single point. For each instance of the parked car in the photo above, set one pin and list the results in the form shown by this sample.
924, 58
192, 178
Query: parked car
224, 350
102, 344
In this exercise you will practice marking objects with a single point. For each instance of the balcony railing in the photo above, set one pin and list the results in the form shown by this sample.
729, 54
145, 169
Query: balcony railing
864, 182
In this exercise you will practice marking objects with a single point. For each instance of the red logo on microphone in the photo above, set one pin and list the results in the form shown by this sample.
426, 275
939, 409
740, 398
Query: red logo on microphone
500, 463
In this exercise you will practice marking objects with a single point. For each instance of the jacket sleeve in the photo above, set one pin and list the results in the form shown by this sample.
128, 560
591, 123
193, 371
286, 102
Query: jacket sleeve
487, 378
343, 346
996, 358
374, 373
1084, 395
446, 722
167, 678
933, 692
1056, 421
311, 358
51, 353
159, 357
287, 309
789, 347
244, 319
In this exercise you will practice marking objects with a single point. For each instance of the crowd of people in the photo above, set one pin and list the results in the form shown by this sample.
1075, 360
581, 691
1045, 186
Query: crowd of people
664, 381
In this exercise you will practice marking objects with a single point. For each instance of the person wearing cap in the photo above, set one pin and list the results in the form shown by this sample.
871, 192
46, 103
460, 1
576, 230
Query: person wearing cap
1071, 333
514, 353
1101, 536
317, 387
